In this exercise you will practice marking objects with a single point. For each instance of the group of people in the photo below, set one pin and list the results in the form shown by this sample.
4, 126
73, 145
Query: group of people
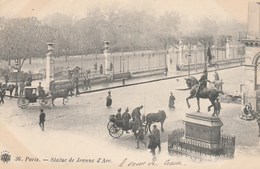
124, 120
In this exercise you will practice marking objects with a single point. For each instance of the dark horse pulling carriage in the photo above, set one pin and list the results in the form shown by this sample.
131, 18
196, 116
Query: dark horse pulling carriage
59, 89
116, 128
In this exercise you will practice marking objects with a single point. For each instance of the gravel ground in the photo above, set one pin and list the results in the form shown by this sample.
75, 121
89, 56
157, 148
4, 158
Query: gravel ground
79, 128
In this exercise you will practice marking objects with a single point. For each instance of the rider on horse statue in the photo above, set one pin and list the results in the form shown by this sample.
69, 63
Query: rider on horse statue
203, 81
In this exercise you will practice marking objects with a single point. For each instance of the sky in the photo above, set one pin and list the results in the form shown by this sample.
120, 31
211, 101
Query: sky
193, 9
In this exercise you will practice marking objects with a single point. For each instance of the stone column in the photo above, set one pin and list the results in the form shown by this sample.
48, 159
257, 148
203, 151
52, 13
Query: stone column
107, 58
49, 66
180, 52
227, 49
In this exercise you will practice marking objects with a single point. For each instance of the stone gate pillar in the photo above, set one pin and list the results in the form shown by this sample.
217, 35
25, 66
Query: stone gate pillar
107, 58
49, 65
251, 86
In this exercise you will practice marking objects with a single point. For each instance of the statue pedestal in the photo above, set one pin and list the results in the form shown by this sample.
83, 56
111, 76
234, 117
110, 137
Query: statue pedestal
202, 127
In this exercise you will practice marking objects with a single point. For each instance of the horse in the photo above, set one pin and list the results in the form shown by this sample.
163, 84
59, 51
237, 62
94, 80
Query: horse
9, 88
60, 94
151, 118
204, 93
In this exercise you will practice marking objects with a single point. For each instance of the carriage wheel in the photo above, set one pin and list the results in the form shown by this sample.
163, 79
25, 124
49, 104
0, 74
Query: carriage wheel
23, 103
45, 102
115, 131
109, 124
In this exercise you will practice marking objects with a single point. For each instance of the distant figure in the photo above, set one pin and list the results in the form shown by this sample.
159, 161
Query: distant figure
42, 120
40, 89
217, 108
22, 85
109, 100
123, 81
171, 101
77, 85
101, 69
84, 86
258, 123
111, 66
95, 67
88, 84
216, 76
140, 137
166, 70
2, 95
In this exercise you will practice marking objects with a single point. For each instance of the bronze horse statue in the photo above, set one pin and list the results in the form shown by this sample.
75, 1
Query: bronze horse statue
203, 93
151, 118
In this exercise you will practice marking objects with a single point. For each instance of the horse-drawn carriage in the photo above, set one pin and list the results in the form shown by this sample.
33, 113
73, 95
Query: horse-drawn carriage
116, 127
58, 89
30, 96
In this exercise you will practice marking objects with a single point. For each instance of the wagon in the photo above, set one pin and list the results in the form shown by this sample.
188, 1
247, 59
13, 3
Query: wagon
116, 128
30, 96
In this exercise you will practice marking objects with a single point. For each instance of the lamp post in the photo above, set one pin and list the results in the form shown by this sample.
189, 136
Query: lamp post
49, 65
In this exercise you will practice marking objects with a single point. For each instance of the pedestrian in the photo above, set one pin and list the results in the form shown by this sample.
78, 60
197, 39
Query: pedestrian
77, 85
140, 137
109, 100
216, 76
258, 123
84, 86
42, 119
111, 66
166, 70
123, 81
22, 85
95, 67
152, 145
157, 136
2, 95
171, 101
101, 69
217, 108
88, 83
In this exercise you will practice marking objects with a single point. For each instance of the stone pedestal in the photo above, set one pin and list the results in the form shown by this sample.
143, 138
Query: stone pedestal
203, 128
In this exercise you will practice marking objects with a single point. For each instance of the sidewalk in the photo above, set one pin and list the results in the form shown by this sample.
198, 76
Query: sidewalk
148, 79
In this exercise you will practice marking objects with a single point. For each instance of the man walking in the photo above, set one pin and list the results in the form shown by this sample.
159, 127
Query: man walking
217, 108
42, 119
140, 137
156, 134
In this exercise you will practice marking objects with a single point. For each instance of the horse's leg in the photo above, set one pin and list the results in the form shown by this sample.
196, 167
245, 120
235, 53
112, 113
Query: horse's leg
162, 129
52, 102
187, 100
198, 103
63, 101
212, 104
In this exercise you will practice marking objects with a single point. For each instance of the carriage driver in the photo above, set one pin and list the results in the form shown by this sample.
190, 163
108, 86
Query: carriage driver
136, 113
40, 89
